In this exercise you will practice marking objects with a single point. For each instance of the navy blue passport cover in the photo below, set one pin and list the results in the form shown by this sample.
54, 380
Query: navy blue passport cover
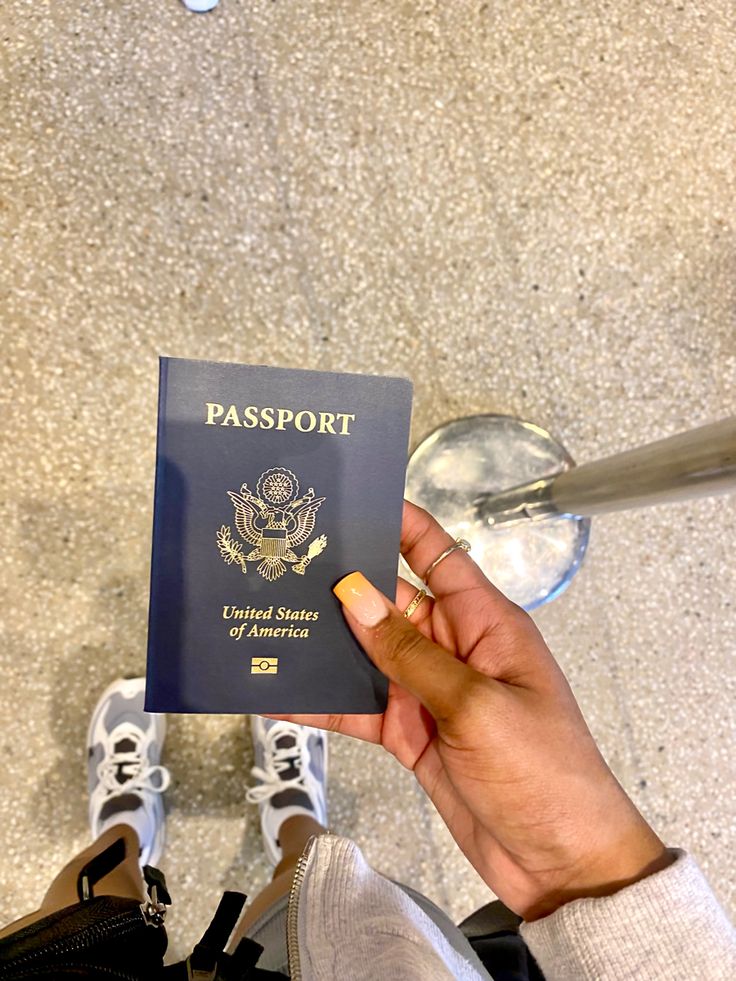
271, 485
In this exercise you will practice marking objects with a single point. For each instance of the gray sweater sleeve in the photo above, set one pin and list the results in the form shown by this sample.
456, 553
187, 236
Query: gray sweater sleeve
667, 926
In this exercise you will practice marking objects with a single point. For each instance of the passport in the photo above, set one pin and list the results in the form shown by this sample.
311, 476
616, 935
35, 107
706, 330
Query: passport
271, 485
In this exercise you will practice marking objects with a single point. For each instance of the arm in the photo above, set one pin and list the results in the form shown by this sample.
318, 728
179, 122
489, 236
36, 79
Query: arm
481, 712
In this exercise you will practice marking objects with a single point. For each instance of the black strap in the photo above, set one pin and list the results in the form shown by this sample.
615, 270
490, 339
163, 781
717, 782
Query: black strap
98, 867
226, 916
207, 962
243, 960
203, 961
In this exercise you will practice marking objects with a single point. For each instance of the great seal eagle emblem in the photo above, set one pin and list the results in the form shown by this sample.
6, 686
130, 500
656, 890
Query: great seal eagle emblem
274, 521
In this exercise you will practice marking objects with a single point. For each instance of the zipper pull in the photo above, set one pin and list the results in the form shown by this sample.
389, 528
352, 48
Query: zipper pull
154, 912
155, 877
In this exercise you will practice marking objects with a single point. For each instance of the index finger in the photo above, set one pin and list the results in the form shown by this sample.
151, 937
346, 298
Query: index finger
366, 727
423, 540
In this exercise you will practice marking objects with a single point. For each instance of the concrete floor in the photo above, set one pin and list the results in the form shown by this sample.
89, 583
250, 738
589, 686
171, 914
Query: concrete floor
526, 207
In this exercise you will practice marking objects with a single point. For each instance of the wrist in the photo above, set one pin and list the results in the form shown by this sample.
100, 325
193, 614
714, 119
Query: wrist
634, 857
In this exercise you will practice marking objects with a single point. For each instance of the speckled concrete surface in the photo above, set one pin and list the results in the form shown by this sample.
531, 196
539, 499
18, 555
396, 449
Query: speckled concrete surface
527, 208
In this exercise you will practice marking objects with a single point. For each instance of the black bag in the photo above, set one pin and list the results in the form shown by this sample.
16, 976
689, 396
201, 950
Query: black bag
493, 933
124, 940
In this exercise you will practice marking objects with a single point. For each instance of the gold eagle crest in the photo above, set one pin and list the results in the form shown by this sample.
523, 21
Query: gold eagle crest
275, 521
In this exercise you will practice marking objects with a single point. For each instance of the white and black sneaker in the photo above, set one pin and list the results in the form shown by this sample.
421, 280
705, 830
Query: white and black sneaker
126, 779
291, 770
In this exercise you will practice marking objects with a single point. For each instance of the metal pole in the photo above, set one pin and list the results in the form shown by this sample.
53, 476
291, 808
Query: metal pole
697, 463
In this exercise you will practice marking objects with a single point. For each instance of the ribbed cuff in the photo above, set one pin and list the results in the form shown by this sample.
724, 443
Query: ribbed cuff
666, 926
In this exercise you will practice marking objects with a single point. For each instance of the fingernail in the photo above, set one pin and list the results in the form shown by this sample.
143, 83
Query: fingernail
362, 599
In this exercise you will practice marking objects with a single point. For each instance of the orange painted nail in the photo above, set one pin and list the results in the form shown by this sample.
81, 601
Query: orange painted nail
362, 599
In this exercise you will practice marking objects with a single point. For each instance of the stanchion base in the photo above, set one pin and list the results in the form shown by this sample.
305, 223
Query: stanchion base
531, 562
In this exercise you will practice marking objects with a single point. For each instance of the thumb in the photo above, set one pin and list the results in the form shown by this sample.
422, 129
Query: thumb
433, 675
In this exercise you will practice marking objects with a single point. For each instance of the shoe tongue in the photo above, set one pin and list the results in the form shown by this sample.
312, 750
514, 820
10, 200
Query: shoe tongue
285, 743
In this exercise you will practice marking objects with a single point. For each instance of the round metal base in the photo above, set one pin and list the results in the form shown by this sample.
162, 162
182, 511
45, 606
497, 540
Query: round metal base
531, 562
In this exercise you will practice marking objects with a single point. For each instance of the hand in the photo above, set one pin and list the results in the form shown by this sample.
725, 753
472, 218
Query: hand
480, 711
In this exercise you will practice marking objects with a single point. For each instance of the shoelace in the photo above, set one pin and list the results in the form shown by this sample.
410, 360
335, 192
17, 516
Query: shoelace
278, 759
140, 777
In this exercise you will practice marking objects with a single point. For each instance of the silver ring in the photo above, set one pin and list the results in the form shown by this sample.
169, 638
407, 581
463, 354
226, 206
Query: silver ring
459, 543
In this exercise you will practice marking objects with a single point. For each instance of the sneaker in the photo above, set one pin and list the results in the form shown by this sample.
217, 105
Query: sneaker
126, 780
291, 770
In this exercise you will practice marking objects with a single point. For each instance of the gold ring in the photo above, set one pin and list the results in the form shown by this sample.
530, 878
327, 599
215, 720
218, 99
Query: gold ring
415, 603
459, 543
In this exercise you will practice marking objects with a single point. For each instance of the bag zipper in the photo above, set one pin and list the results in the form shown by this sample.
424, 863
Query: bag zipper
121, 924
94, 970
292, 912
